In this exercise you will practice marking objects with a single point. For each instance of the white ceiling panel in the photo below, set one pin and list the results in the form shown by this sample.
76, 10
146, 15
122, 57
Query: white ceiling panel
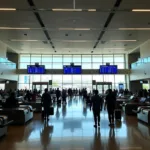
28, 46
84, 4
22, 35
130, 20
135, 4
126, 35
74, 19
95, 4
74, 35
84, 45
18, 19
19, 4
140, 36
53, 3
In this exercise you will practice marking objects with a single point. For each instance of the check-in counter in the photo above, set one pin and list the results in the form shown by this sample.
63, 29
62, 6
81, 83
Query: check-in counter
18, 115
130, 108
35, 105
144, 114
3, 126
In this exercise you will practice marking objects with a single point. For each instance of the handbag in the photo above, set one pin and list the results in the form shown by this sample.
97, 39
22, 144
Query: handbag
51, 110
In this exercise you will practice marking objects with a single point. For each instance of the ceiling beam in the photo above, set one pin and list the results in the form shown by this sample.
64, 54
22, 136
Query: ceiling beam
109, 19
40, 21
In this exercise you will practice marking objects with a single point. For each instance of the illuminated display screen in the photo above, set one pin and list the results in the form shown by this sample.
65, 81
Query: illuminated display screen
32, 69
110, 69
72, 69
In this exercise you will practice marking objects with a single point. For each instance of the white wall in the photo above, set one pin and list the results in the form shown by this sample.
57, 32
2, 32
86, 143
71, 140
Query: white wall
140, 72
3, 50
7, 73
145, 49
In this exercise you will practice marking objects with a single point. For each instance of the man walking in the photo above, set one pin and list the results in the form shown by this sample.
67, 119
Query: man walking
96, 105
111, 103
46, 101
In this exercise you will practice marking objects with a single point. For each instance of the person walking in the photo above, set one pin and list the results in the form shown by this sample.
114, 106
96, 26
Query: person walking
64, 95
110, 103
96, 105
46, 101
58, 94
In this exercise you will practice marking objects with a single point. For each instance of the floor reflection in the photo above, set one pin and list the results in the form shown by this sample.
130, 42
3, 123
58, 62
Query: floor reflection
71, 128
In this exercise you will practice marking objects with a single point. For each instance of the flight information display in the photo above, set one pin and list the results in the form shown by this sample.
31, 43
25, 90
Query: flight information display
108, 69
72, 69
32, 69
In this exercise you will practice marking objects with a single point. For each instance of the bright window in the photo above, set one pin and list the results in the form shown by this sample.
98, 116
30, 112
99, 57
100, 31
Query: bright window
46, 58
35, 58
24, 58
57, 58
86, 58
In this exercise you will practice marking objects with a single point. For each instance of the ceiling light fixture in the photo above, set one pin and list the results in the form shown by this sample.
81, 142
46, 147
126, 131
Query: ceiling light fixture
13, 28
76, 29
123, 40
15, 40
91, 9
76, 41
58, 9
7, 9
114, 48
128, 29
39, 48
141, 10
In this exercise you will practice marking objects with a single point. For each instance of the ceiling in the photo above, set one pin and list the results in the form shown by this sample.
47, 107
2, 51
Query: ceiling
98, 29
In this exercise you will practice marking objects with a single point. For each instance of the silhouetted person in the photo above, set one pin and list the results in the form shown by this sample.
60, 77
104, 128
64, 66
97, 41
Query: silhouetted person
28, 96
110, 103
58, 94
46, 101
64, 95
96, 105
11, 102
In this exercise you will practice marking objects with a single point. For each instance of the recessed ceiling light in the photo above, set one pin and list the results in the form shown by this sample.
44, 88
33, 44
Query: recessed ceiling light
7, 9
128, 29
16, 40
13, 28
141, 10
91, 9
57, 9
123, 40
75, 29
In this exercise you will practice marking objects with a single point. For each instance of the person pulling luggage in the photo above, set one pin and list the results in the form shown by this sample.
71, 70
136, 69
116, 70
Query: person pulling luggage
96, 105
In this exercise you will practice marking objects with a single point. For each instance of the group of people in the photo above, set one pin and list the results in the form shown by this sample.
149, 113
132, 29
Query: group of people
96, 101
97, 106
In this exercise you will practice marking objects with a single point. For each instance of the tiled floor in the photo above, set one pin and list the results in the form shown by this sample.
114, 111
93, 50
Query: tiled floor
71, 128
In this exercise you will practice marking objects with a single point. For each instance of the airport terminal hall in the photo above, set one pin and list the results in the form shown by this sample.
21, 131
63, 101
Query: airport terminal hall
74, 74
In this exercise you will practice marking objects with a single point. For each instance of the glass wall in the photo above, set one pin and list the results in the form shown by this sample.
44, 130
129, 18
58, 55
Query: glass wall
57, 61
71, 81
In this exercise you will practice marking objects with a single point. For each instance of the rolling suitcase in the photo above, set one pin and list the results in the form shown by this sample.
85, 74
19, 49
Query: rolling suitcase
118, 114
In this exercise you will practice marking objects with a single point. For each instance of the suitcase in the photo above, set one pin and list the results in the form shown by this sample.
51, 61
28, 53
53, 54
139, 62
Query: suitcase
118, 114
51, 111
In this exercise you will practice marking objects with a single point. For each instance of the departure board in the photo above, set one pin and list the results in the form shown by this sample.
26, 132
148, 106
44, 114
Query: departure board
108, 69
32, 69
72, 69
